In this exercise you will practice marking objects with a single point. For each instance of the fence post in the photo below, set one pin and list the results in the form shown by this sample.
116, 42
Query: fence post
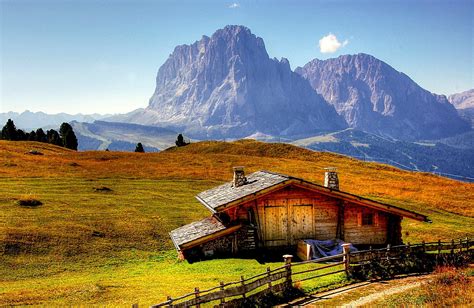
269, 281
452, 246
196, 294
287, 259
460, 245
243, 285
439, 247
222, 289
424, 247
170, 301
387, 254
347, 257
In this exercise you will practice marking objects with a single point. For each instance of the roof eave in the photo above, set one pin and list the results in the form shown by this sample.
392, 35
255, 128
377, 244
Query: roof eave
174, 243
209, 237
212, 210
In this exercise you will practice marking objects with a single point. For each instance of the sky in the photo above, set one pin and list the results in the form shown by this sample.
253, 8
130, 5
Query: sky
101, 56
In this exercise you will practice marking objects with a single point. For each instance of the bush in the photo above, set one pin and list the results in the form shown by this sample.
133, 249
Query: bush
102, 188
29, 201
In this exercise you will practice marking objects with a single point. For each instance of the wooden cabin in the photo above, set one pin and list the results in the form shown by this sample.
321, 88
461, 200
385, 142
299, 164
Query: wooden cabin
271, 211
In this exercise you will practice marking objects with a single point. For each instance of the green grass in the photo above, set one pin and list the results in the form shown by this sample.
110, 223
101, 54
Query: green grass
87, 246
52, 255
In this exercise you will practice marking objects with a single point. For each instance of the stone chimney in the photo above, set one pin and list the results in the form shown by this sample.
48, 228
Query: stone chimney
239, 177
330, 178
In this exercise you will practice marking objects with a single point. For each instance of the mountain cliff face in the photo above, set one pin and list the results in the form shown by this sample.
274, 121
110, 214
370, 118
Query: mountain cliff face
464, 103
374, 97
227, 86
463, 100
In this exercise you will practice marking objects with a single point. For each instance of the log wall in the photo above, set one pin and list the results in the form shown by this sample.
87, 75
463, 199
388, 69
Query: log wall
356, 232
285, 216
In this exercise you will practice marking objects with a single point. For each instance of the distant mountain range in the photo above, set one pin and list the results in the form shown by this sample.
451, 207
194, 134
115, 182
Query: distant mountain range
28, 120
464, 103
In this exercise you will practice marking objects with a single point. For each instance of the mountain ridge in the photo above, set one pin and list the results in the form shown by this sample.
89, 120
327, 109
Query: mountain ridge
373, 96
33, 120
226, 85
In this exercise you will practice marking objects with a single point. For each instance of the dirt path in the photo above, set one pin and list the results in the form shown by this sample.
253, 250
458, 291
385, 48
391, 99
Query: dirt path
359, 294
379, 295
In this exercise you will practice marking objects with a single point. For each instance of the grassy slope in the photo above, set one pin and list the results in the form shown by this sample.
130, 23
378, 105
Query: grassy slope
51, 255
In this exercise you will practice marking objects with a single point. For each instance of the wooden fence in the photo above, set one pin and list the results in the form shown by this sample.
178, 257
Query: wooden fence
285, 276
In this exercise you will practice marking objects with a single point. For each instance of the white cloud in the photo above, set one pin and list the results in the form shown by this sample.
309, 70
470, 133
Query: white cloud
234, 5
330, 43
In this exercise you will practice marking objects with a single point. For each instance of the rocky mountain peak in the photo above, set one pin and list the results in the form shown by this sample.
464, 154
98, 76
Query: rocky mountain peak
373, 96
226, 85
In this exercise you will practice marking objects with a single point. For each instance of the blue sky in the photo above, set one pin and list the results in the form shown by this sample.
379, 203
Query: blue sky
102, 56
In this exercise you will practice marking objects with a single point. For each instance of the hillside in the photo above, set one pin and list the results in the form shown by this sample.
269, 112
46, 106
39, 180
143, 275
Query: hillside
450, 157
115, 136
91, 245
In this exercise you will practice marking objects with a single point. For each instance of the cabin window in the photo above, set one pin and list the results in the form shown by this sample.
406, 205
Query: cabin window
367, 219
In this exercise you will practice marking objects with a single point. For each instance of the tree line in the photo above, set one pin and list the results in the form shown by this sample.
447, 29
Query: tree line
65, 138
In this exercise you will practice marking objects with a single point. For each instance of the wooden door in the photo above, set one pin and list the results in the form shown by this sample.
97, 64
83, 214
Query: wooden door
301, 221
276, 222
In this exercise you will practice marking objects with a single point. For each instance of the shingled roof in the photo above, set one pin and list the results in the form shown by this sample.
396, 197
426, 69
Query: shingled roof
226, 193
195, 230
199, 230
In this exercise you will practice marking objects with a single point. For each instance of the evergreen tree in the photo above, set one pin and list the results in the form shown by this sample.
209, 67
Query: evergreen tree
70, 140
21, 135
32, 136
180, 141
68, 137
41, 136
53, 137
9, 131
139, 148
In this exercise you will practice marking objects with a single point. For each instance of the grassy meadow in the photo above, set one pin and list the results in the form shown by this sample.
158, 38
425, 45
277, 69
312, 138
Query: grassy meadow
101, 234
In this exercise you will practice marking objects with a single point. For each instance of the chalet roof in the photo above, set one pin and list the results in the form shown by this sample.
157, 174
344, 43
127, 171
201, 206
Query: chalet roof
226, 193
195, 230
220, 197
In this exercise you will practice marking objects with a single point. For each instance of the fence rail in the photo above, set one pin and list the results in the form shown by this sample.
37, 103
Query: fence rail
282, 276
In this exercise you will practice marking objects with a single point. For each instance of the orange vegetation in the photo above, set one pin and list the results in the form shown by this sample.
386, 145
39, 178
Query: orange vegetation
213, 161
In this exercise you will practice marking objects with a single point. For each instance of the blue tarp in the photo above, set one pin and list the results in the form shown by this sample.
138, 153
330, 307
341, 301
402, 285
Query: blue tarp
327, 248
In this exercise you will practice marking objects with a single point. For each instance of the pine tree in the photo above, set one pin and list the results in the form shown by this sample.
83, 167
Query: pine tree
32, 136
41, 136
53, 137
67, 136
9, 131
139, 148
21, 135
180, 141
